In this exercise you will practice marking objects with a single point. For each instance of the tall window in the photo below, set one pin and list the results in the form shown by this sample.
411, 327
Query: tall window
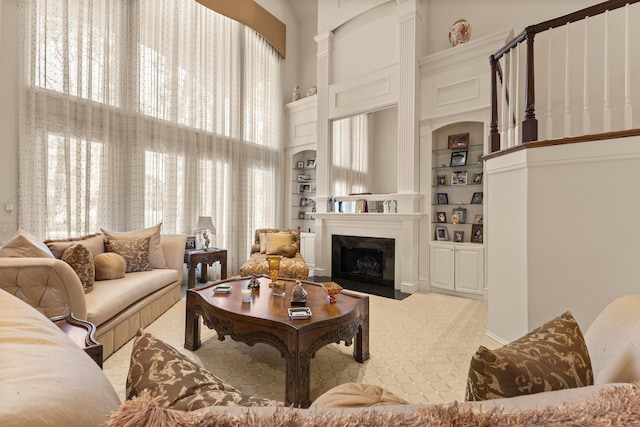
134, 112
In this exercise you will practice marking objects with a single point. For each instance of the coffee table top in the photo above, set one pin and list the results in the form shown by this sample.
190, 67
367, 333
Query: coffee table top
265, 306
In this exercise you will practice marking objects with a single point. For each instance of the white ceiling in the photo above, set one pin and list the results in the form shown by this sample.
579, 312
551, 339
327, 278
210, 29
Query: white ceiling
304, 9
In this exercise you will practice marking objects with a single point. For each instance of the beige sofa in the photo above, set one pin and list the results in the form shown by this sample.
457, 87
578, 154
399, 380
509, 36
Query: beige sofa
44, 375
117, 307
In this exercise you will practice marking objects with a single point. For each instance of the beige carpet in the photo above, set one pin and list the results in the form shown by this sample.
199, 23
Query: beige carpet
420, 350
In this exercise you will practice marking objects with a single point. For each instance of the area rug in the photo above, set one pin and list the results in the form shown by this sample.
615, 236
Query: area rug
420, 350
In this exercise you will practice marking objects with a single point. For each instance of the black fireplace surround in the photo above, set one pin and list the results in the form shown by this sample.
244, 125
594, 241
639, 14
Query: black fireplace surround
365, 259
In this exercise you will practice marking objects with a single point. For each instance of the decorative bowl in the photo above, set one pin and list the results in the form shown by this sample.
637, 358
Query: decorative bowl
332, 289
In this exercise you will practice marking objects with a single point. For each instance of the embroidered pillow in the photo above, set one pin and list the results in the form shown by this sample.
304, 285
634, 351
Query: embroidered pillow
81, 260
25, 245
156, 254
109, 265
275, 240
553, 356
135, 253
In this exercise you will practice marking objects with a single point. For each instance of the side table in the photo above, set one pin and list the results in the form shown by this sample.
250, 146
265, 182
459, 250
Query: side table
204, 257
82, 333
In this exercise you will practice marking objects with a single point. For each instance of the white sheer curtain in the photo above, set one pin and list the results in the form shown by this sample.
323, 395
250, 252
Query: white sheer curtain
135, 112
350, 152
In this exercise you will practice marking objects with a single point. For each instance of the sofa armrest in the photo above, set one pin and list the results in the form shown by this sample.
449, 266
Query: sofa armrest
173, 246
47, 284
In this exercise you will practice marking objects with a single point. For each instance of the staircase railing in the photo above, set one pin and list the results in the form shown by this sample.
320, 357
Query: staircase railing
601, 65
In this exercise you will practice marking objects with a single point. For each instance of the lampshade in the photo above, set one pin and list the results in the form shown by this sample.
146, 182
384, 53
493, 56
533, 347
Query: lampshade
205, 223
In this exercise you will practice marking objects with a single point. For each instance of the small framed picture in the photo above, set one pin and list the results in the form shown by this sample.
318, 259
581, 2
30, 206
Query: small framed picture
460, 140
361, 206
477, 178
461, 214
458, 158
311, 163
300, 165
459, 178
477, 219
443, 199
476, 199
441, 180
304, 201
441, 217
303, 178
441, 233
191, 242
476, 233
458, 236
301, 215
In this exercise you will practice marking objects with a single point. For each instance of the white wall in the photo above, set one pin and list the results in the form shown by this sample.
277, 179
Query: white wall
384, 151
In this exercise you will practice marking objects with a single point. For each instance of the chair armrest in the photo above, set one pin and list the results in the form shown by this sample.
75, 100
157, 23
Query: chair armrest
47, 284
173, 246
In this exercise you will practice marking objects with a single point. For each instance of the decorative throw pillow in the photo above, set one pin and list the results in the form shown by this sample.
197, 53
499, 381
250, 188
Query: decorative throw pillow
288, 250
109, 265
25, 245
177, 381
135, 253
553, 356
81, 260
156, 254
262, 237
275, 240
93, 242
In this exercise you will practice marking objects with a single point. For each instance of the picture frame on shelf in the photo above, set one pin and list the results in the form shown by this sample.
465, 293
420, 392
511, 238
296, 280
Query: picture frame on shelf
300, 164
459, 140
476, 199
443, 199
441, 217
478, 219
311, 163
477, 178
459, 178
303, 178
304, 201
462, 215
477, 234
458, 158
441, 180
458, 236
361, 206
191, 243
442, 234
301, 215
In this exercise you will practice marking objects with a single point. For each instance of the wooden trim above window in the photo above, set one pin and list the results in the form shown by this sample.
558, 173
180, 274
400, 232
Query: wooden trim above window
250, 13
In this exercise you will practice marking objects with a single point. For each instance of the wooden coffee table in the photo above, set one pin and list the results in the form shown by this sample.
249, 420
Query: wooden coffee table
265, 319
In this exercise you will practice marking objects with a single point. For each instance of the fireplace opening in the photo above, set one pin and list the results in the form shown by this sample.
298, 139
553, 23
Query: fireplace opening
366, 259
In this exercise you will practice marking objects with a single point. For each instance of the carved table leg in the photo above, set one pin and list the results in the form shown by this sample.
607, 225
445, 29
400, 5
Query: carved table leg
298, 380
204, 276
191, 330
191, 280
361, 346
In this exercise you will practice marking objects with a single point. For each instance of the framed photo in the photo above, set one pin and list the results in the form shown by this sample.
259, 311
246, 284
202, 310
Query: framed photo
458, 158
441, 180
460, 140
361, 206
458, 236
476, 233
441, 217
301, 215
191, 242
443, 199
302, 178
441, 233
478, 219
311, 163
300, 165
459, 178
476, 199
461, 214
477, 178
304, 201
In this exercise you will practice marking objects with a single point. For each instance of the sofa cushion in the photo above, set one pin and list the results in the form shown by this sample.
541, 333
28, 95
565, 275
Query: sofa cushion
354, 395
81, 260
135, 253
275, 240
93, 242
156, 255
553, 356
25, 245
178, 382
109, 265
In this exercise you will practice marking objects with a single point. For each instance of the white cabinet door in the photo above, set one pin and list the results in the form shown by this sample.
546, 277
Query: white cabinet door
442, 266
469, 262
308, 248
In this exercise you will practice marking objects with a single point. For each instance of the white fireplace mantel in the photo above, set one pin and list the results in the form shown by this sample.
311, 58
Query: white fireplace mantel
402, 227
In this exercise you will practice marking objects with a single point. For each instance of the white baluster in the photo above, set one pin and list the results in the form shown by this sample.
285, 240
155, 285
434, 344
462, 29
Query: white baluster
516, 102
549, 81
504, 109
607, 96
512, 135
586, 118
628, 108
567, 91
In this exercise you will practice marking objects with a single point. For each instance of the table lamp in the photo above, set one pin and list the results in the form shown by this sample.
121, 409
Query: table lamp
205, 225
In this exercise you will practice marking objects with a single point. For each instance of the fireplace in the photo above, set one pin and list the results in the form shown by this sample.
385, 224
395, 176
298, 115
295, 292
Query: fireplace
363, 259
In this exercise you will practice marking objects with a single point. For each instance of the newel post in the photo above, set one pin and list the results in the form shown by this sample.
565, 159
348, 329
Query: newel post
494, 136
530, 123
